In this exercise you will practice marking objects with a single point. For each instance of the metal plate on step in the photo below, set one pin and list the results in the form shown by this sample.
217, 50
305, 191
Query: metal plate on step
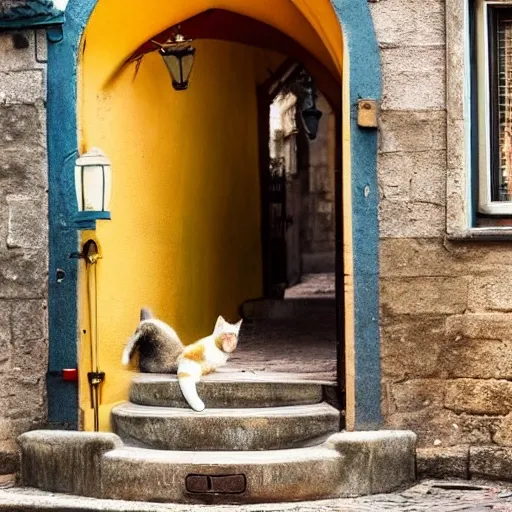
218, 484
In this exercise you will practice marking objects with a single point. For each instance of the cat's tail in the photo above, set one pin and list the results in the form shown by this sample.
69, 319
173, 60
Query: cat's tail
189, 373
131, 345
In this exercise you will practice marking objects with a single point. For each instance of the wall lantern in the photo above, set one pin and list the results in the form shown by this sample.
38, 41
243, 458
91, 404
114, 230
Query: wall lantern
93, 185
178, 55
310, 113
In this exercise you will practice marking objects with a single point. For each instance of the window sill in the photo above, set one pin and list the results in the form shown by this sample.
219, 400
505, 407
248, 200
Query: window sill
485, 234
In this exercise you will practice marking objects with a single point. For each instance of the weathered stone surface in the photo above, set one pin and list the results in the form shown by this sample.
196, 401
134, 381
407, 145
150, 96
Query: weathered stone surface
491, 292
23, 171
12, 58
30, 356
412, 131
216, 392
413, 176
477, 359
23, 274
308, 473
93, 464
457, 218
432, 295
456, 38
387, 456
23, 239
65, 461
27, 222
480, 346
413, 257
9, 458
5, 332
492, 397
22, 87
403, 336
480, 326
29, 319
26, 396
410, 219
490, 462
245, 429
400, 23
441, 428
19, 127
456, 156
503, 435
443, 462
422, 66
417, 394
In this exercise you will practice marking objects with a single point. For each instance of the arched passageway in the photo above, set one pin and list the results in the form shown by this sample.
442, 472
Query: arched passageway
186, 203
185, 237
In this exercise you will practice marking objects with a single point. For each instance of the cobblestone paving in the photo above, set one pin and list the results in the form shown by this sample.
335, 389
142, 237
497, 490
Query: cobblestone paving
432, 496
311, 286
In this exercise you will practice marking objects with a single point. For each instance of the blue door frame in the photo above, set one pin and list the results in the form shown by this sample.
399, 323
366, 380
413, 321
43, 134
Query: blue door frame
365, 82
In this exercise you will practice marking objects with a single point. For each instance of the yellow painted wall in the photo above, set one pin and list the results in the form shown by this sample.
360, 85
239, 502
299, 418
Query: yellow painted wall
185, 235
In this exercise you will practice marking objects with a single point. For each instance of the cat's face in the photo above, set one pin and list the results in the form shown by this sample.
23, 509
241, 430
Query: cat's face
227, 334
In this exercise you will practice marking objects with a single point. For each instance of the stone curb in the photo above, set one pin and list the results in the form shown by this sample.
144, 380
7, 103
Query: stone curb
467, 462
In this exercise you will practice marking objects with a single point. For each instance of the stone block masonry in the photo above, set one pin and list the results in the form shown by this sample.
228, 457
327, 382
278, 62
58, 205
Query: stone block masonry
23, 242
446, 348
446, 306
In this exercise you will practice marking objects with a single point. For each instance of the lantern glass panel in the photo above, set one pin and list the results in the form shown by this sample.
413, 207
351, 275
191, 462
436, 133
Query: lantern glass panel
93, 186
187, 62
79, 188
179, 62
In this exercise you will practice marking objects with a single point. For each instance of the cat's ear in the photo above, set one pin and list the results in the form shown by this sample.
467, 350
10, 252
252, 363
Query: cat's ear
219, 324
238, 325
145, 314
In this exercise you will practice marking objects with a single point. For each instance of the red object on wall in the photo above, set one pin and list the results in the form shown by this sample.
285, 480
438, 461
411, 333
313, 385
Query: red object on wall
70, 375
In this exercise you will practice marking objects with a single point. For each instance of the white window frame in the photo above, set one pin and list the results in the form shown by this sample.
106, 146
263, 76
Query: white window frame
485, 204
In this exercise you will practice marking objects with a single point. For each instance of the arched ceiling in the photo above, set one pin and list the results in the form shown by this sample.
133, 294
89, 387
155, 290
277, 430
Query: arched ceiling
228, 26
118, 27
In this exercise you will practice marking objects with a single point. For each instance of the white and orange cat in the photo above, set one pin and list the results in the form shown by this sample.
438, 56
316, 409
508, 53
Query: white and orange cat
161, 351
205, 356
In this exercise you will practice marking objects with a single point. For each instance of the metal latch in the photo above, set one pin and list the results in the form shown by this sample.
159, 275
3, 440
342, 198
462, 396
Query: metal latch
219, 484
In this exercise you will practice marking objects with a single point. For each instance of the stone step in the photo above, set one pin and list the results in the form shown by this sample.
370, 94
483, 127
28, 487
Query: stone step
229, 390
99, 465
302, 310
232, 477
266, 428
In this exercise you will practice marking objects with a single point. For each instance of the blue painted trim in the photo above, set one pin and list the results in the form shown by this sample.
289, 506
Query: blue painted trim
62, 153
86, 220
365, 82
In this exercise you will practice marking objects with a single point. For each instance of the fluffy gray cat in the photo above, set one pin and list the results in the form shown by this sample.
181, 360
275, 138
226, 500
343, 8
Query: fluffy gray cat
158, 344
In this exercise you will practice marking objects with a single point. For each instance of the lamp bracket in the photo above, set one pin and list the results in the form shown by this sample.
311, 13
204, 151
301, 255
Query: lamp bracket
90, 253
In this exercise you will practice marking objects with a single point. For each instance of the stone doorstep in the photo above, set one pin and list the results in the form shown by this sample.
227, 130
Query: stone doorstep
347, 464
272, 428
238, 390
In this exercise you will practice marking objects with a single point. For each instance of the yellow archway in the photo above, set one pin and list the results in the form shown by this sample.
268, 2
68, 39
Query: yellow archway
185, 236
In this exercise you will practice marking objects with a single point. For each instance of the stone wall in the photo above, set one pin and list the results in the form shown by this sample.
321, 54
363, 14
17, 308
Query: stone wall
446, 326
23, 239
